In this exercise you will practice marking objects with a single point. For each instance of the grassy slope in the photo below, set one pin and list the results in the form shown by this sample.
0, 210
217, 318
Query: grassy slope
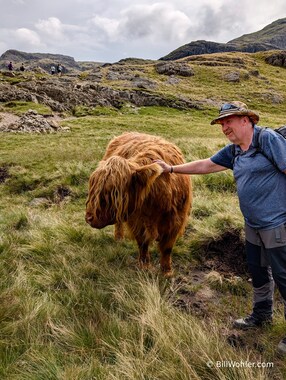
264, 35
73, 304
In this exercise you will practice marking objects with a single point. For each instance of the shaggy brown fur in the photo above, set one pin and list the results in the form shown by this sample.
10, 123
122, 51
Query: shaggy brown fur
127, 187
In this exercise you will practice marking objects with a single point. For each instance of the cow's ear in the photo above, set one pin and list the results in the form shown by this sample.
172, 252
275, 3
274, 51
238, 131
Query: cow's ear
146, 175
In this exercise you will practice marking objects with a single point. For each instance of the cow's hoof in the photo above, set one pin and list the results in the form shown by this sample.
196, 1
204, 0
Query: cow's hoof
168, 274
145, 266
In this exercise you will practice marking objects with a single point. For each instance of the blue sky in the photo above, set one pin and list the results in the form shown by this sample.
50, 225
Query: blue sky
109, 30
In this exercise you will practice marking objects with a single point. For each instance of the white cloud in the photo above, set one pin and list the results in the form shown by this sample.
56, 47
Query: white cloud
159, 20
156, 21
28, 37
110, 30
108, 26
51, 27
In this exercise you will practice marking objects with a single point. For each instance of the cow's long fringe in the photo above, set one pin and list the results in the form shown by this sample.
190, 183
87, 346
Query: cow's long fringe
117, 171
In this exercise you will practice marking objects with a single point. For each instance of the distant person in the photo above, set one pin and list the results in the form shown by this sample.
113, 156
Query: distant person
22, 68
10, 66
260, 176
53, 69
59, 69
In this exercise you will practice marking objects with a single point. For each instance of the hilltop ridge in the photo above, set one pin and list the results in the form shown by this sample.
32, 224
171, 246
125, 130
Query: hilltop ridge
271, 37
273, 34
43, 60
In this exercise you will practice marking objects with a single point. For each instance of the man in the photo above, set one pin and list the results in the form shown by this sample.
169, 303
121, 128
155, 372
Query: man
59, 69
261, 186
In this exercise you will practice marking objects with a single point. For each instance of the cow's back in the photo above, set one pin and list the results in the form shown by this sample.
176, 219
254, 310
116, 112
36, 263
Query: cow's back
144, 148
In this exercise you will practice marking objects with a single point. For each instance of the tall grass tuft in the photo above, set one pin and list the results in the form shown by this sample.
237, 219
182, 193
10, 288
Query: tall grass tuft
159, 342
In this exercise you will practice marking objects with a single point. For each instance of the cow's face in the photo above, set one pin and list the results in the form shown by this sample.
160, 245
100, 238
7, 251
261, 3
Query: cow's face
108, 195
99, 209
118, 188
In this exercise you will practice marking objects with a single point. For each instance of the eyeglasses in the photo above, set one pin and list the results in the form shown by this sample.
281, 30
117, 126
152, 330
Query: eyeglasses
228, 106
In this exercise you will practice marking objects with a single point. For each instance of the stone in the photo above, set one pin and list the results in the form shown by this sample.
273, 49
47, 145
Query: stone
174, 68
33, 122
232, 77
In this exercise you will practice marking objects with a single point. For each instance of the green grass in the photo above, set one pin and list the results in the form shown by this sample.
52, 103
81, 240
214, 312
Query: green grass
74, 305
20, 107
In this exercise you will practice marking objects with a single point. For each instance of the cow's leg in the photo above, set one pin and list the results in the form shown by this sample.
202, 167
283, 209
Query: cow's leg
144, 254
166, 244
118, 231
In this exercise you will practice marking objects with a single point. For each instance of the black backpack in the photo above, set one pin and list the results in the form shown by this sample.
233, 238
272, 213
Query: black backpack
281, 131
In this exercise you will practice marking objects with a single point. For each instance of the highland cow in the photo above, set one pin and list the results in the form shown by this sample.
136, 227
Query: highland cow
128, 188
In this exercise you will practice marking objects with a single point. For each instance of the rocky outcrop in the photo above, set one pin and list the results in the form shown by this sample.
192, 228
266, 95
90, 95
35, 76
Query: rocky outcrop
233, 76
174, 68
65, 93
32, 122
277, 59
218, 60
9, 93
236, 76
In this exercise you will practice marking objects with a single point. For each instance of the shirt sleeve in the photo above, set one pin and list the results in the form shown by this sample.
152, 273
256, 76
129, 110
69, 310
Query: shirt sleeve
224, 157
274, 146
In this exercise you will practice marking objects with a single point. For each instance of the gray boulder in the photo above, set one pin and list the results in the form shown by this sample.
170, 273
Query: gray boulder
174, 68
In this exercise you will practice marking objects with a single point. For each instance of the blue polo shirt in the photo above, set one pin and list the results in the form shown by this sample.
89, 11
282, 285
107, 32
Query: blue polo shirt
261, 187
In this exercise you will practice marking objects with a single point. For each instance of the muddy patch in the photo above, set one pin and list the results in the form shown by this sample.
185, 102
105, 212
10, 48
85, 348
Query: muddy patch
221, 270
4, 174
225, 255
192, 294
62, 193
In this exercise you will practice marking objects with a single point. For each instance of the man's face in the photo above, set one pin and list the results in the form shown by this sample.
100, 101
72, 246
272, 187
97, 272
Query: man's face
234, 127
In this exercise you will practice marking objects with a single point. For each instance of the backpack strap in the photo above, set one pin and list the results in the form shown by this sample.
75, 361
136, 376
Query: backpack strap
257, 146
233, 153
258, 149
257, 139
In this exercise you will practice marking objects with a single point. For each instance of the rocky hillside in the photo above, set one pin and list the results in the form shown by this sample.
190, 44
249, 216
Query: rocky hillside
128, 81
209, 47
34, 61
272, 37
189, 83
273, 34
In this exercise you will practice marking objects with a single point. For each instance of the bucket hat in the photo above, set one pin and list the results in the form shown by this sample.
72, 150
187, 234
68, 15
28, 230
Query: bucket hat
236, 108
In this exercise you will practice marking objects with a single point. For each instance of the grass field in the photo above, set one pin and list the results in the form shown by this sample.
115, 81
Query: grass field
74, 305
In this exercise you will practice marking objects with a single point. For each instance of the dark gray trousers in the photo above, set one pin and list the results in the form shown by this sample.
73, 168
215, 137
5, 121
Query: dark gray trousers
266, 259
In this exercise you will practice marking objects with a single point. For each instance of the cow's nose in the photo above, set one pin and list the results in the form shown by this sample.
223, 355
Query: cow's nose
88, 218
